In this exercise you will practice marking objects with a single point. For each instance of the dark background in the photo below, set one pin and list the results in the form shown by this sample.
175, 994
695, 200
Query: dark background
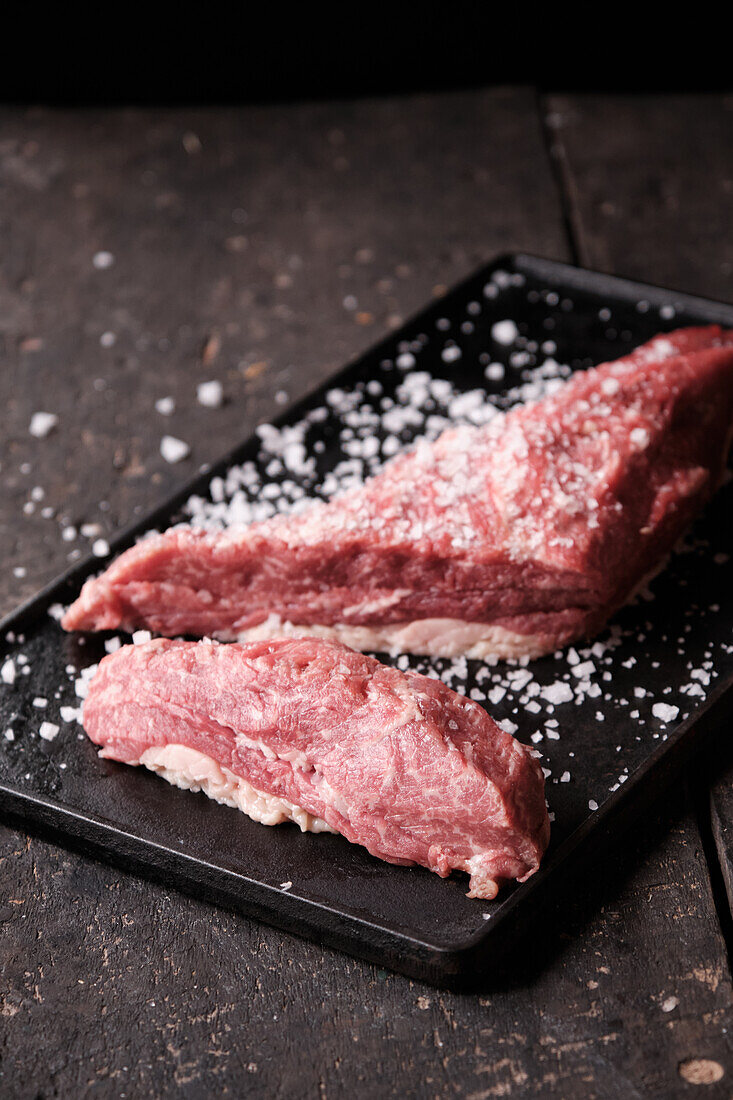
258, 53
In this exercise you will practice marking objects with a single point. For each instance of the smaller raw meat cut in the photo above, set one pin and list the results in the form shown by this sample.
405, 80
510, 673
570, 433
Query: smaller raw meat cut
512, 539
310, 731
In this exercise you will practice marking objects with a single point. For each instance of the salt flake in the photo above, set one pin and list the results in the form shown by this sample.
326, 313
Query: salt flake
174, 450
42, 423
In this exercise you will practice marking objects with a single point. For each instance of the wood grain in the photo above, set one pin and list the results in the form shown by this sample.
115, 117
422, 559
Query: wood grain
658, 206
649, 185
239, 240
113, 986
260, 247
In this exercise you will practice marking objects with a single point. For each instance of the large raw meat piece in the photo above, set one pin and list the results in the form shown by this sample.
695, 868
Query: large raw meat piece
310, 731
511, 539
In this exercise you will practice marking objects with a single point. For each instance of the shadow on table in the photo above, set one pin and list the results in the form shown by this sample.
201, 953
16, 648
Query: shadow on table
674, 835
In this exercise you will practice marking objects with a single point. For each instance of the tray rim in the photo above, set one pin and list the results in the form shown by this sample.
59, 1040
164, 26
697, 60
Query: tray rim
439, 962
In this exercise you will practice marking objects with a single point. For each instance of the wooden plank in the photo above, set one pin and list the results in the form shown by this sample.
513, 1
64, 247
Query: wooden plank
262, 247
656, 206
114, 985
649, 181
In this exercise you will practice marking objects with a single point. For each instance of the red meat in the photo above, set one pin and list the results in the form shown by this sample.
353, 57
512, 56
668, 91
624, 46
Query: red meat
511, 539
311, 731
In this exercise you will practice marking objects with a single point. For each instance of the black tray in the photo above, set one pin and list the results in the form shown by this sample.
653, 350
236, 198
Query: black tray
407, 918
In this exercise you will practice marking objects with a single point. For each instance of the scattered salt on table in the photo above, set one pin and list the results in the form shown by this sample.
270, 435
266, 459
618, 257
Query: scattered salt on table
42, 423
174, 450
210, 394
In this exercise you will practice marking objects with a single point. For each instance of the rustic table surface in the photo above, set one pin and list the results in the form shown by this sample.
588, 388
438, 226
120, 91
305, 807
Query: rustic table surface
144, 252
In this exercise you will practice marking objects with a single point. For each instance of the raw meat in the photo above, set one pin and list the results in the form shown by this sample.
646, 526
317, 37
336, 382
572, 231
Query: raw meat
311, 731
511, 539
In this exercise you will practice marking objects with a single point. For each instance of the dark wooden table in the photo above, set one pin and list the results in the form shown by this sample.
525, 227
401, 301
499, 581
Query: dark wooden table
263, 247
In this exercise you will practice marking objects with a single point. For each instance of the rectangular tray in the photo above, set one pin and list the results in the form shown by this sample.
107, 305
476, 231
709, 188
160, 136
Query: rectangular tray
672, 645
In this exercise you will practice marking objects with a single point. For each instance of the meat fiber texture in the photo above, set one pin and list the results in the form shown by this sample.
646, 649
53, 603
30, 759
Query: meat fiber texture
511, 539
311, 731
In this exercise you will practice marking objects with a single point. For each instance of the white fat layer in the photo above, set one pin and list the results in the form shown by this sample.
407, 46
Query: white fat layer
195, 771
428, 637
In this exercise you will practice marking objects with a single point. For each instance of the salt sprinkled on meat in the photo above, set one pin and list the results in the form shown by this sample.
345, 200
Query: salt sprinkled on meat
640, 437
440, 733
81, 684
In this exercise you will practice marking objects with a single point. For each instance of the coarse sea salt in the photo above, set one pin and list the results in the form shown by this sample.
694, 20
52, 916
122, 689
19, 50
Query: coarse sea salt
504, 332
558, 692
495, 372
48, 730
174, 450
42, 423
210, 394
665, 712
